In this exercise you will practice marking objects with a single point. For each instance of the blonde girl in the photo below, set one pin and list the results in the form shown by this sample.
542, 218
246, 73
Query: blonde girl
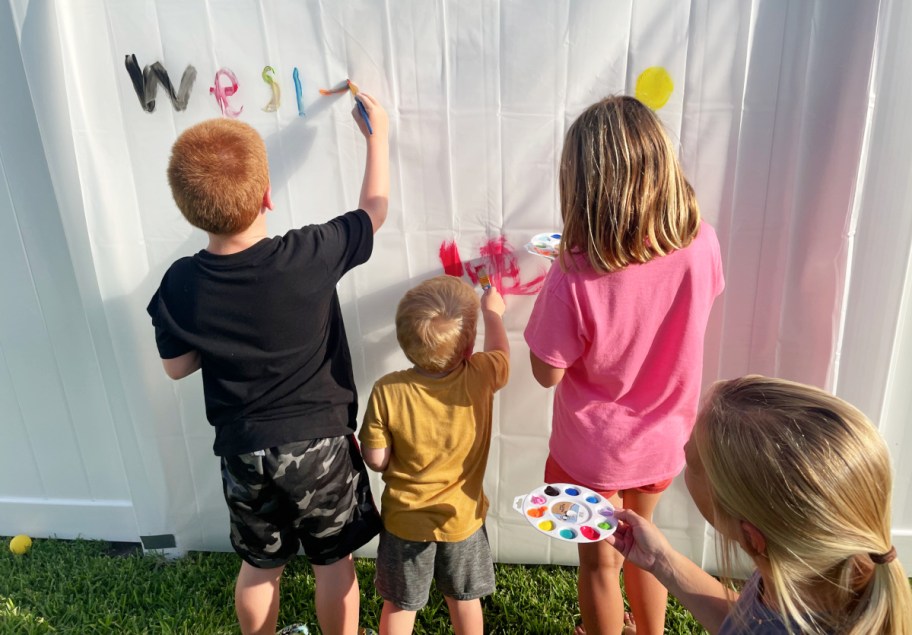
801, 482
618, 329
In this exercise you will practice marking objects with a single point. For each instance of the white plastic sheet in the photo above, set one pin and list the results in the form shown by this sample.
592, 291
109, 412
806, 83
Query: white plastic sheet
769, 104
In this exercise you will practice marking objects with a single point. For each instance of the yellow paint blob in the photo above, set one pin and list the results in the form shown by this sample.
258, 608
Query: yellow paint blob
654, 86
546, 525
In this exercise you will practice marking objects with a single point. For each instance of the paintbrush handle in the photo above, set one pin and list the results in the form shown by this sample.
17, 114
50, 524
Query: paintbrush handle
363, 112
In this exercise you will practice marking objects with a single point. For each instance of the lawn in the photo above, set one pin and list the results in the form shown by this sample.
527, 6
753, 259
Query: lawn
88, 587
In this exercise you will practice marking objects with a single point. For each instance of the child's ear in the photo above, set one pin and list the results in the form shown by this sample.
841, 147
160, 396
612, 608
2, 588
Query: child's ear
267, 199
754, 540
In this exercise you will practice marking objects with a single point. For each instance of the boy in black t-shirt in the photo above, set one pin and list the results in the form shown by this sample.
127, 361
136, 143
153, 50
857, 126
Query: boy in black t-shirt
260, 316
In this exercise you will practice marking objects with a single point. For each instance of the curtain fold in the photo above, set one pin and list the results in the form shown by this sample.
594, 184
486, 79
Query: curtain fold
770, 107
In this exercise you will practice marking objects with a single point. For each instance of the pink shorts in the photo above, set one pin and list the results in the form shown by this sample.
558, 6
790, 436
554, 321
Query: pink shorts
554, 473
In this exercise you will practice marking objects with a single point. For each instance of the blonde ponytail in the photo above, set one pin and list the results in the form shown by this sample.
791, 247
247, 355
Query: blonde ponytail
813, 475
887, 605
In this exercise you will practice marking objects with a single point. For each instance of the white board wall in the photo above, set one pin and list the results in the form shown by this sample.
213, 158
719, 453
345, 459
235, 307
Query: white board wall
776, 108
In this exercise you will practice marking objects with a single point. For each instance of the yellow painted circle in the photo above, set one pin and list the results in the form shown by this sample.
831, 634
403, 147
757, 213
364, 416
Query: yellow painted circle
654, 86
20, 544
546, 525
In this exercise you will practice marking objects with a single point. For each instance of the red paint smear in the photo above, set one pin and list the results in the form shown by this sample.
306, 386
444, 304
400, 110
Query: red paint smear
497, 257
504, 270
449, 256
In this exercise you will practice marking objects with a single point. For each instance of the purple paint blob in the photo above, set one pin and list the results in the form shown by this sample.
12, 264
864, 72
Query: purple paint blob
606, 512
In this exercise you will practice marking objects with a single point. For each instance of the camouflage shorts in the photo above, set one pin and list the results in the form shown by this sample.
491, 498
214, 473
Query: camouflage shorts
312, 493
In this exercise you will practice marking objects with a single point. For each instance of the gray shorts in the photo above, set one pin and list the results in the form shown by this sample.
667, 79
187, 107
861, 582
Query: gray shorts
463, 570
312, 493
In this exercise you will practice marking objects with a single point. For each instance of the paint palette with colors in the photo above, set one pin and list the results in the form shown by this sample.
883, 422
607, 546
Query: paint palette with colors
568, 512
545, 245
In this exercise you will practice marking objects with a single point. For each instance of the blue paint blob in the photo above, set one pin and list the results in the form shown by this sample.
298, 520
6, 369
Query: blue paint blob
569, 534
571, 491
296, 76
592, 499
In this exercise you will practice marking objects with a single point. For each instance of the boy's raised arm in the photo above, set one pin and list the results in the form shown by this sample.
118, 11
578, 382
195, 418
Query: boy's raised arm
376, 184
492, 310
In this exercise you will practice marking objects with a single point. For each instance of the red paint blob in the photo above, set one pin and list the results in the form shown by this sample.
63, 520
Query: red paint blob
449, 257
498, 259
589, 532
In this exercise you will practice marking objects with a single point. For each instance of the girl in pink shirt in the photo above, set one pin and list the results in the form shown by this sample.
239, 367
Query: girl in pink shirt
618, 328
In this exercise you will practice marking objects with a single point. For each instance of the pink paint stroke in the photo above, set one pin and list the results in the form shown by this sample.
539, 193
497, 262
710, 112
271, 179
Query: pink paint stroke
222, 93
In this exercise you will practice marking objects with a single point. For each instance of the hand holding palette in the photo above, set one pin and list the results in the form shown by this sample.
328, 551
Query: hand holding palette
568, 512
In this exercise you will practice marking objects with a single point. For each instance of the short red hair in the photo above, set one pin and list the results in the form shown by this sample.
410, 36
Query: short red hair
218, 175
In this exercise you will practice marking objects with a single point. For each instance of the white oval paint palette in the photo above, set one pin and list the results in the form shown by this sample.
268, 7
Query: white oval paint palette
545, 245
568, 512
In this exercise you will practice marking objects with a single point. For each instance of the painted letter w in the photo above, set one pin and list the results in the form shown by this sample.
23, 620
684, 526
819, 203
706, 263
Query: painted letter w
146, 82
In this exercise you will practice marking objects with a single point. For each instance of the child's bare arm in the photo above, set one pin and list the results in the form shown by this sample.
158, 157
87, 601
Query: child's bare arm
376, 458
544, 373
180, 367
492, 310
376, 183
643, 544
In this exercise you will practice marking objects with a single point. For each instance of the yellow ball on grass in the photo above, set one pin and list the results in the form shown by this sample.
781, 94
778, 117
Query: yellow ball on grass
20, 544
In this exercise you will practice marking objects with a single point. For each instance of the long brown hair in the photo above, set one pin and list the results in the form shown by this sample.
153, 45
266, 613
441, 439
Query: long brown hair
624, 198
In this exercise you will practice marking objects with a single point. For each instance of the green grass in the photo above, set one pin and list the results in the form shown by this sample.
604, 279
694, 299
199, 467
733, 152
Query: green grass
84, 587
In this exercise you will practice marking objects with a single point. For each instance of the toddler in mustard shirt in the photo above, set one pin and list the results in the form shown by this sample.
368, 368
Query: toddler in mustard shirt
428, 430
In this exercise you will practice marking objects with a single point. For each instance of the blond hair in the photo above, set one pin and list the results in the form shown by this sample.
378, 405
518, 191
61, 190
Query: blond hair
624, 198
218, 175
436, 322
813, 475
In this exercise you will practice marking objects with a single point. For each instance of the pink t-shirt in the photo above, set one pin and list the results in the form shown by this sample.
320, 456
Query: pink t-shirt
631, 342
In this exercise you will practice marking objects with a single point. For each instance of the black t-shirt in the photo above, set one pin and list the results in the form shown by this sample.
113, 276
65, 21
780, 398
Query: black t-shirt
268, 326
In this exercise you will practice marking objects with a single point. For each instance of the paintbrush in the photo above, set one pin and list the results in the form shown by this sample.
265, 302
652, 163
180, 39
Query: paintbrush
349, 85
354, 91
483, 278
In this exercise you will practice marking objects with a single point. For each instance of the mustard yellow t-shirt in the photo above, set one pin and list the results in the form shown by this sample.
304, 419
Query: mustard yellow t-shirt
439, 432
